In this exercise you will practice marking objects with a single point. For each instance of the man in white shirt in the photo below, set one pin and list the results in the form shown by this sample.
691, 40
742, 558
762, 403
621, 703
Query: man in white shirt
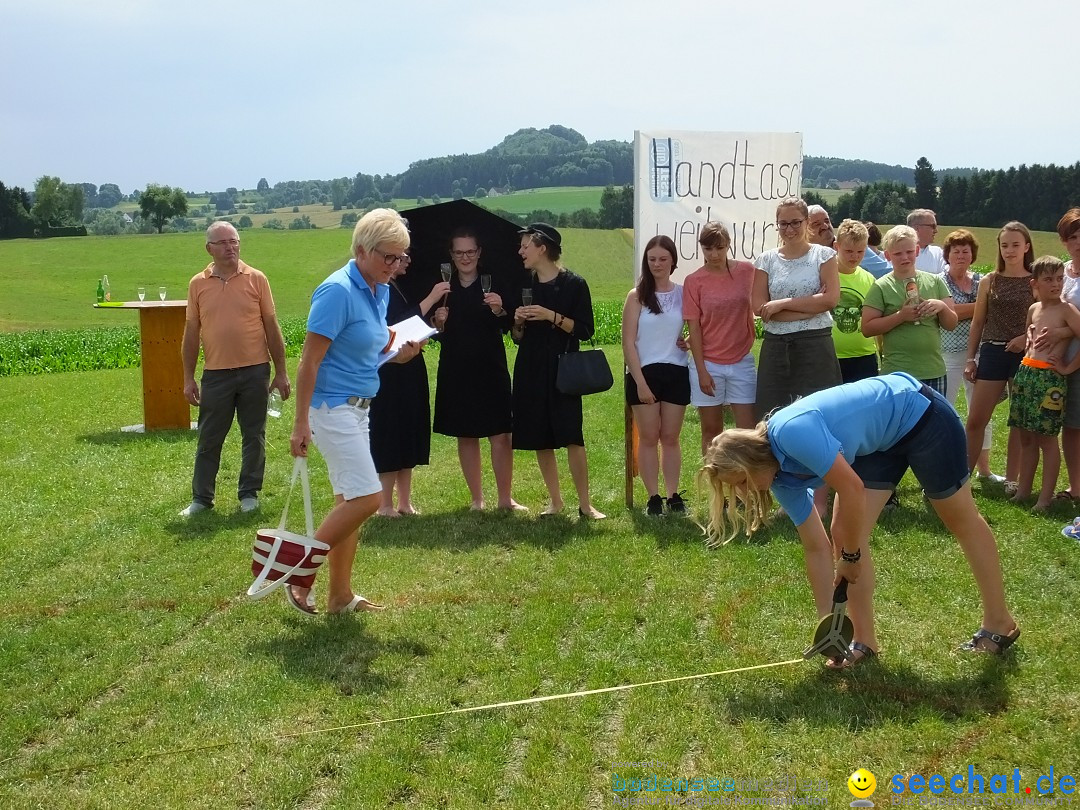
930, 258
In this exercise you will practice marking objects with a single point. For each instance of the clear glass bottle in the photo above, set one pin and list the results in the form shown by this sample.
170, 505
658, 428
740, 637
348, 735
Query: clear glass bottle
273, 404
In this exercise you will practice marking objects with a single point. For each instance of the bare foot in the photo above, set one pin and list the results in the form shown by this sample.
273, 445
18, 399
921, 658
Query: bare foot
388, 512
1019, 498
1040, 508
476, 506
590, 512
553, 509
513, 506
408, 509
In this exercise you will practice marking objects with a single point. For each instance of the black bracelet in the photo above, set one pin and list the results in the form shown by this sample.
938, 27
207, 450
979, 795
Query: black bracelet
849, 557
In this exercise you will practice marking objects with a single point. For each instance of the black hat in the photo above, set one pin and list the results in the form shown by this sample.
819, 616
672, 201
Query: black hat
546, 231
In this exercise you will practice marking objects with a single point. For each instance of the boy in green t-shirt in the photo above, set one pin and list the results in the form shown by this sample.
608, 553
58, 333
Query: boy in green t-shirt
906, 307
856, 352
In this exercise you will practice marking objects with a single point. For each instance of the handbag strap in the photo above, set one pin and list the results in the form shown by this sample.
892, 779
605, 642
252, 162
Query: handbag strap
299, 471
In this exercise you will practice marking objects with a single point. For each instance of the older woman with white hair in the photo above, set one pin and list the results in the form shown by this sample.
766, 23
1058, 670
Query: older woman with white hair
337, 379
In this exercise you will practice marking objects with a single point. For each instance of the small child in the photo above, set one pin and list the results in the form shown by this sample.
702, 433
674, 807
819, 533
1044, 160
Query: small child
856, 352
1037, 403
906, 307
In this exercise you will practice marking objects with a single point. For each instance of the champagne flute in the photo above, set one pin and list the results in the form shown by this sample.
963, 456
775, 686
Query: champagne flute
142, 293
485, 283
526, 297
161, 294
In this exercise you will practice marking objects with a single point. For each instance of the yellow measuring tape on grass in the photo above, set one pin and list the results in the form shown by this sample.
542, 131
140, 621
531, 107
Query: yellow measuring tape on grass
40, 774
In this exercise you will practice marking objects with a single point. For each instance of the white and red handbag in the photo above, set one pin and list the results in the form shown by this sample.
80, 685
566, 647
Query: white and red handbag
280, 556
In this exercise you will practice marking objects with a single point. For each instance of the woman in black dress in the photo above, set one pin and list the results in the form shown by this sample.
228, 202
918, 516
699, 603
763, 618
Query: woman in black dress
472, 398
400, 416
559, 316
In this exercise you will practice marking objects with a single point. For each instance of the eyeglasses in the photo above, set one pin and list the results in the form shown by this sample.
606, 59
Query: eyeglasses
927, 225
390, 259
465, 254
784, 226
230, 242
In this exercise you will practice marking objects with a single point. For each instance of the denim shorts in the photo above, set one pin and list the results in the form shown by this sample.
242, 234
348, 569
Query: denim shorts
997, 364
935, 450
734, 384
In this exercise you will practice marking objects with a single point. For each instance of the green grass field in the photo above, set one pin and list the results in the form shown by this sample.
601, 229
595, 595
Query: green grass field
50, 284
136, 674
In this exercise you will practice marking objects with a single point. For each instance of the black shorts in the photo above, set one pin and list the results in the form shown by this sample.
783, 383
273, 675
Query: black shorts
997, 364
853, 369
668, 382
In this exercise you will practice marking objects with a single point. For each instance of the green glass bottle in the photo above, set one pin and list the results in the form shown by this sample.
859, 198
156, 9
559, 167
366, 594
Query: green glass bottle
100, 292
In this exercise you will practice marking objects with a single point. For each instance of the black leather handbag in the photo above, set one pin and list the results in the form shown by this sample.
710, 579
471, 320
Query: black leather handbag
583, 373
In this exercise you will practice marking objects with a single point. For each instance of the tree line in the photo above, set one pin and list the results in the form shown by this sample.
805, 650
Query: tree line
1037, 195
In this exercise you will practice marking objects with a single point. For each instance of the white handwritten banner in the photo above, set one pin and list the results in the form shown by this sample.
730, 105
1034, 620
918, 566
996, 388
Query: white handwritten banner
684, 179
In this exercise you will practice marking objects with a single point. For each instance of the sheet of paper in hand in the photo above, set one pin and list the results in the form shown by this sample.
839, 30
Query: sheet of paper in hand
414, 328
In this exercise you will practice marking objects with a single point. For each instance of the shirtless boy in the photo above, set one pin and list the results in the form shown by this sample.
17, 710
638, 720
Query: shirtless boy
1037, 404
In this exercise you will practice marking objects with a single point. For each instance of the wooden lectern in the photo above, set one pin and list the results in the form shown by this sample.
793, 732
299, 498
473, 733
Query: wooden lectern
161, 333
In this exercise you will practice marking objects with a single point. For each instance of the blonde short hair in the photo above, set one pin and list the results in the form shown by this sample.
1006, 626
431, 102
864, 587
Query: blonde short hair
852, 230
378, 226
736, 451
897, 234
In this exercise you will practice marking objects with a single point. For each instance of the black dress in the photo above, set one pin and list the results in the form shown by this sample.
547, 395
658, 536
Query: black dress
400, 416
545, 418
472, 397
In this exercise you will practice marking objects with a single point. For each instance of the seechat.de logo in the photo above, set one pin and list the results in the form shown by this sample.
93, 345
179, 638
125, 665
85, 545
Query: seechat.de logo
862, 785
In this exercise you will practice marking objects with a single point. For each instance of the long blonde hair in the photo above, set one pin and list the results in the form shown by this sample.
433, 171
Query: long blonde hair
736, 451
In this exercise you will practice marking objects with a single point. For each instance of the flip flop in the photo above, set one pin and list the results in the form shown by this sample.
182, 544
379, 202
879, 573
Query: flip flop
307, 607
359, 604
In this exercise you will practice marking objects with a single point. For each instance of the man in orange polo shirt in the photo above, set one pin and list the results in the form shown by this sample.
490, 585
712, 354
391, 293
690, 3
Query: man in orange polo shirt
231, 310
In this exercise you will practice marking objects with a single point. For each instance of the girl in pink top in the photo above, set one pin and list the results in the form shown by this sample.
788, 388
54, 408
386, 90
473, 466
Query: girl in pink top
717, 310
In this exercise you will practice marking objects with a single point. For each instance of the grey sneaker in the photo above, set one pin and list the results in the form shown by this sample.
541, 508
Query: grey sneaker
193, 508
249, 504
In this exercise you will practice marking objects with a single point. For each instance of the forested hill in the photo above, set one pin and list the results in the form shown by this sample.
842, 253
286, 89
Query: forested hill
560, 156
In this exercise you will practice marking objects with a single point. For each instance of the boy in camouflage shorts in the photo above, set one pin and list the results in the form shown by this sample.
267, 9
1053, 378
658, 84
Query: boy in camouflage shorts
1037, 402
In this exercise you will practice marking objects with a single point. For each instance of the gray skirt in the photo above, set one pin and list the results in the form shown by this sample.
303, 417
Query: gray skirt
792, 366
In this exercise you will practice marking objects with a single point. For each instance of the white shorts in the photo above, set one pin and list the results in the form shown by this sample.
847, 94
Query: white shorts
341, 434
732, 385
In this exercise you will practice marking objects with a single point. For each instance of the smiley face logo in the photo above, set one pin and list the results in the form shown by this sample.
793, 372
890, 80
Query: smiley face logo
861, 783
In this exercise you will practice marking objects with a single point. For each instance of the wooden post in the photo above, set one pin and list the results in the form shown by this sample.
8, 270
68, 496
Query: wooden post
631, 446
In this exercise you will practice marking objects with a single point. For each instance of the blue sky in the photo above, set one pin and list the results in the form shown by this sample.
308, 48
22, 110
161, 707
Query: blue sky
207, 95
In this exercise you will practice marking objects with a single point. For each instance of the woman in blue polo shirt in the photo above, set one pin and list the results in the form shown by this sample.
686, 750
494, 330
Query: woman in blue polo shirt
337, 378
860, 439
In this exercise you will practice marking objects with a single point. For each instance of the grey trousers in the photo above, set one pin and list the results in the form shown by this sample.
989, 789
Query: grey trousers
240, 391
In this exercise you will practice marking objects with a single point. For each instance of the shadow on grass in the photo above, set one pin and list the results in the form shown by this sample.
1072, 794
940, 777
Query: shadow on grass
210, 524
877, 692
338, 650
465, 530
120, 438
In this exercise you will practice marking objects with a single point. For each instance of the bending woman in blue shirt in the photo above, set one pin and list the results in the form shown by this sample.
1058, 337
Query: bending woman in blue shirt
859, 439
